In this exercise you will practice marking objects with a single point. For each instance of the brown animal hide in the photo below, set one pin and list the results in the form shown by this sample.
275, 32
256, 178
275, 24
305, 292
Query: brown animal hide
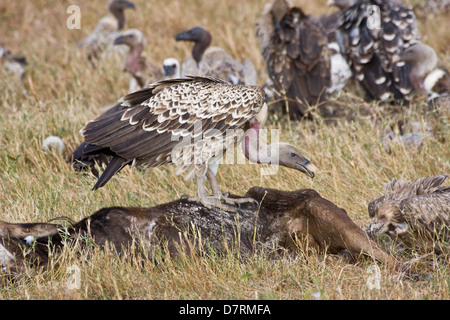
284, 221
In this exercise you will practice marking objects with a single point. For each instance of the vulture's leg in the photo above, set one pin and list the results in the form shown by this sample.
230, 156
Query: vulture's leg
217, 200
219, 195
209, 202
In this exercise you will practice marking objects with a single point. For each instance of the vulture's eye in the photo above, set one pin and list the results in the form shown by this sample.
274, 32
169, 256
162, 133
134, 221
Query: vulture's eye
293, 155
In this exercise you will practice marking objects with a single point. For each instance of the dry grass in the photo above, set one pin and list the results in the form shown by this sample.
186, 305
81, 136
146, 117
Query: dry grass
63, 93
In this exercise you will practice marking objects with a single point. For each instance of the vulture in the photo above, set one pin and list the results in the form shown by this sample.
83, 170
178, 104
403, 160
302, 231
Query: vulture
13, 64
378, 32
171, 68
213, 61
107, 29
143, 71
295, 48
413, 213
189, 122
424, 76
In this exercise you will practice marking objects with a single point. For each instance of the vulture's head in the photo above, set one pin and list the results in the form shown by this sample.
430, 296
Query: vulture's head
107, 25
196, 34
386, 218
171, 68
200, 36
132, 38
291, 157
422, 56
117, 8
279, 9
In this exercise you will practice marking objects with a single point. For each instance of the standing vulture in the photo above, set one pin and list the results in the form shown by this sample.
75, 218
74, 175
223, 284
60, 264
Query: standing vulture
378, 32
414, 213
214, 61
189, 122
295, 48
138, 65
107, 29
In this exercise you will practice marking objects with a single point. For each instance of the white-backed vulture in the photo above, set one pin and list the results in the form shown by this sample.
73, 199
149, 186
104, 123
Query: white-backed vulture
138, 65
171, 68
107, 29
295, 48
214, 61
414, 213
190, 122
378, 32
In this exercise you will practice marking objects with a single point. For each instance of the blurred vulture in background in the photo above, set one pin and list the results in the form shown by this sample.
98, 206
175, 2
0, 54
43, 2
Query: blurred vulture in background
425, 76
214, 61
107, 29
138, 65
171, 68
12, 64
414, 213
295, 48
378, 32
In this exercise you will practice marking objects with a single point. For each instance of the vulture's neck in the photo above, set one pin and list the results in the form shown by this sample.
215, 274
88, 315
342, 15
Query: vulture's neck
254, 151
200, 47
132, 63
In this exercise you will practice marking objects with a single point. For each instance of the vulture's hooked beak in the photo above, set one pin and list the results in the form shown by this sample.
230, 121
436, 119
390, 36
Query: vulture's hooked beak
182, 36
307, 167
119, 40
128, 5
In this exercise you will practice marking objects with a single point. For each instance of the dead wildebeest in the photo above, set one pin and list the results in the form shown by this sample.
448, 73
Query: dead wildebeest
283, 221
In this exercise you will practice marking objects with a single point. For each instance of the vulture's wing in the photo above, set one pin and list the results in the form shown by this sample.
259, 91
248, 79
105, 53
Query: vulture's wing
428, 212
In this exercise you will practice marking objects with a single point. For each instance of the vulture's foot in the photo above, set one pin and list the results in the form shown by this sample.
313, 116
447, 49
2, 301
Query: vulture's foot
238, 201
212, 202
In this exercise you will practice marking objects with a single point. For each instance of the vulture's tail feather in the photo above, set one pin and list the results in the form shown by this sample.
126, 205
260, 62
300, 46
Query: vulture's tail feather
115, 165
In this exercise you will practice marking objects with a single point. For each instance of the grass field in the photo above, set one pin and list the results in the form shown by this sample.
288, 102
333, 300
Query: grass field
63, 93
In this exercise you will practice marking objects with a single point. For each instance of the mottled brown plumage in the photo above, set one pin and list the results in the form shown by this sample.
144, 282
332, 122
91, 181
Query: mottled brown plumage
294, 46
414, 213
